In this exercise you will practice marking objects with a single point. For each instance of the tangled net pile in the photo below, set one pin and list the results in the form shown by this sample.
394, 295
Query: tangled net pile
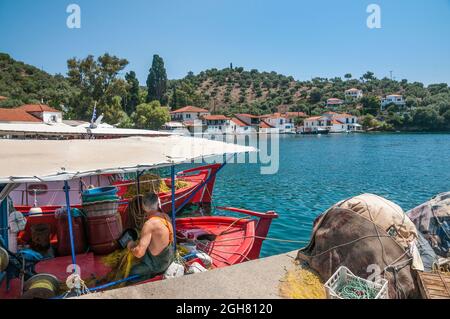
152, 183
356, 289
120, 262
302, 283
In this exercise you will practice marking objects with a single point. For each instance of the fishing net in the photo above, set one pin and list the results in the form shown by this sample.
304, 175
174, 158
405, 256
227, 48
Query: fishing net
432, 219
342, 236
302, 283
356, 289
152, 183
121, 262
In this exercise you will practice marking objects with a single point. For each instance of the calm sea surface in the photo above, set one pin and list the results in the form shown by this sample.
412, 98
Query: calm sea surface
317, 171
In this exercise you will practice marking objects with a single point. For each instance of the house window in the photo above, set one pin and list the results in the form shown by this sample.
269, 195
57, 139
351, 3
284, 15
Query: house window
188, 116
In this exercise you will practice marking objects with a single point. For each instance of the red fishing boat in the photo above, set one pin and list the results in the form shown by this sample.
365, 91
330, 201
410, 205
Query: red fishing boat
226, 240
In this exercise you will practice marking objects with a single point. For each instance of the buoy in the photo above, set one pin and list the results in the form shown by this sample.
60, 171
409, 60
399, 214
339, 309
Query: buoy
35, 211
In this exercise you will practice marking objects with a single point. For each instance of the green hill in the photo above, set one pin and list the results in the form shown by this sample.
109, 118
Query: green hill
235, 90
23, 83
264, 91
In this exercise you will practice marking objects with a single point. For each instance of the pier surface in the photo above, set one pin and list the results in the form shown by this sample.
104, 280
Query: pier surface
256, 279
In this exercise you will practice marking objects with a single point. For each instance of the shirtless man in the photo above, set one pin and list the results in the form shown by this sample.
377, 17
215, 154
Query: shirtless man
154, 249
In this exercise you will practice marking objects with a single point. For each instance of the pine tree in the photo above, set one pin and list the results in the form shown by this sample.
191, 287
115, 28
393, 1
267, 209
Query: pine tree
157, 81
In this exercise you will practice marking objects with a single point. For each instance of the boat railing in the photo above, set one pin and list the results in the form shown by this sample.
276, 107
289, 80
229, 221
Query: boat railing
267, 215
196, 169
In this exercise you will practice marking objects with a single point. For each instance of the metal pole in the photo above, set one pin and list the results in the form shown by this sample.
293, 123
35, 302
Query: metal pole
174, 211
69, 216
4, 219
138, 182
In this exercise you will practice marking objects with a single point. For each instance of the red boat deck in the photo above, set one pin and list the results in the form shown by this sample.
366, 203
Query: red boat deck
233, 238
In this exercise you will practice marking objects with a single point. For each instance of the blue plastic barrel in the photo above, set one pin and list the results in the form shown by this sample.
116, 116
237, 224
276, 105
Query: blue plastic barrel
100, 191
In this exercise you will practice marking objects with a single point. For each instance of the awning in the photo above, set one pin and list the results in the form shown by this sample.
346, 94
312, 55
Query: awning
65, 129
49, 160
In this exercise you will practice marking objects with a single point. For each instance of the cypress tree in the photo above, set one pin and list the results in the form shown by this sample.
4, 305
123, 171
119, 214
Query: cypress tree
157, 81
133, 92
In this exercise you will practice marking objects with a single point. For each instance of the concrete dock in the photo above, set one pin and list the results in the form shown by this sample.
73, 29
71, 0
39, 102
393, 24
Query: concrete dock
254, 279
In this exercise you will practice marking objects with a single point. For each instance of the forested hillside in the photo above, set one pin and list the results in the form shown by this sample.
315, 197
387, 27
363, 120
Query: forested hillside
23, 83
234, 90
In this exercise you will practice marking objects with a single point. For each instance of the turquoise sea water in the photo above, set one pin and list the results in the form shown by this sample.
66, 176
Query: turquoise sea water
317, 171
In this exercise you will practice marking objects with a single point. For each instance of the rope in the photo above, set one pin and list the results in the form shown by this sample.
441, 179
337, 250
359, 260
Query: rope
232, 224
348, 243
135, 213
264, 238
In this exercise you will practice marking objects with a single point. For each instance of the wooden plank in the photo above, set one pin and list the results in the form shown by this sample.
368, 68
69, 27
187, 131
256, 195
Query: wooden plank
434, 285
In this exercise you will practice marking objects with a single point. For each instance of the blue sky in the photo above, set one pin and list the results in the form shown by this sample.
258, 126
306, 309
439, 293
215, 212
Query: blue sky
304, 39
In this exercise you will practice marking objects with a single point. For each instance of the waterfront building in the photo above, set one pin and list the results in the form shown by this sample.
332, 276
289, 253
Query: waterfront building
239, 127
266, 128
278, 121
217, 124
291, 118
188, 113
332, 122
249, 119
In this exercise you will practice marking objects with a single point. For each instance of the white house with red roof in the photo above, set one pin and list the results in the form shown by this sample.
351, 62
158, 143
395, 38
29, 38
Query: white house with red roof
31, 113
266, 128
217, 124
332, 122
44, 112
239, 127
221, 124
188, 113
249, 119
278, 121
